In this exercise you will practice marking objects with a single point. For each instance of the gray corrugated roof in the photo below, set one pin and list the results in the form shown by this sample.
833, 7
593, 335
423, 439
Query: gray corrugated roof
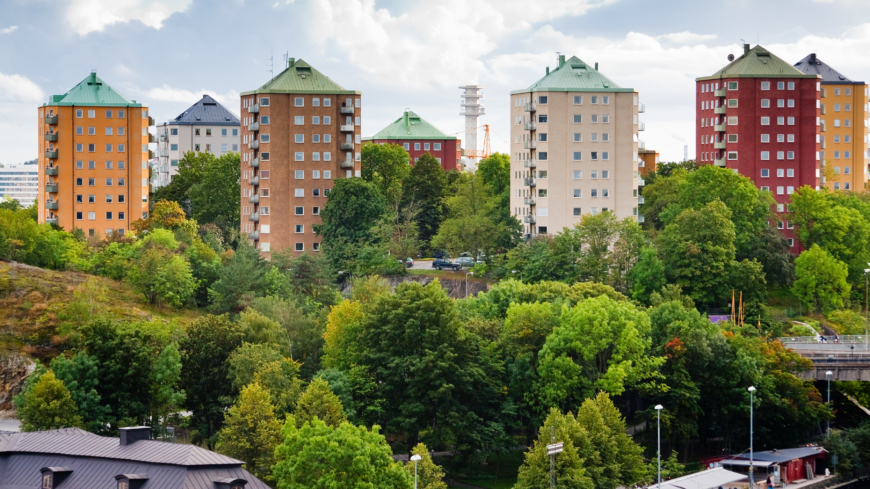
785, 455
206, 111
812, 65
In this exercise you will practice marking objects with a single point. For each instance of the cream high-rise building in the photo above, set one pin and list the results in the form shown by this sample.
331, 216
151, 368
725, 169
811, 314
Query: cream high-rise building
573, 148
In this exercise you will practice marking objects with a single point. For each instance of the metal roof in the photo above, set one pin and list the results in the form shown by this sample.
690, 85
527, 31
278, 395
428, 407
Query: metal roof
757, 63
784, 455
706, 479
812, 65
301, 77
574, 75
206, 111
745, 463
409, 126
93, 91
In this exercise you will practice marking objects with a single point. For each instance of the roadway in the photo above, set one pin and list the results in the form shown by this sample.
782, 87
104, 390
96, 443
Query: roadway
848, 359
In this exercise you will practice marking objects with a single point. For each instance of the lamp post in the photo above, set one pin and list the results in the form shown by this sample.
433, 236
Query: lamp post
751, 474
466, 283
415, 458
349, 283
659, 449
828, 374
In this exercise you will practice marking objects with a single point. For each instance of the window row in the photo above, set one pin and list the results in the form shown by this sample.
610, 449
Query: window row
109, 130
780, 121
92, 199
780, 138
92, 216
315, 156
92, 165
296, 246
846, 138
108, 114
780, 155
92, 148
765, 85
300, 192
435, 146
197, 131
300, 138
846, 170
845, 186
780, 172
578, 100
780, 191
92, 182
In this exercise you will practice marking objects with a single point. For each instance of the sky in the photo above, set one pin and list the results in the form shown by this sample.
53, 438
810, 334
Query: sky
404, 53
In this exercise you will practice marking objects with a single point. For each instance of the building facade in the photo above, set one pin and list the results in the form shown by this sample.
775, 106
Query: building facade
759, 117
20, 183
574, 148
206, 126
93, 159
649, 162
419, 137
844, 157
300, 132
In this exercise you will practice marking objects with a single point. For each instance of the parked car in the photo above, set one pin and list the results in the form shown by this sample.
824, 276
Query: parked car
465, 261
442, 263
409, 262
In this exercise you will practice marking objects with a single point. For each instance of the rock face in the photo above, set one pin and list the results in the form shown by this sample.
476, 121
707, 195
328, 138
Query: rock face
455, 287
14, 369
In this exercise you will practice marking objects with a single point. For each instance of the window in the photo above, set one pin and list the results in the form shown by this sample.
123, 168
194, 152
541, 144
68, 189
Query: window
765, 121
109, 182
605, 174
594, 137
299, 120
327, 121
315, 192
836, 122
780, 138
732, 155
299, 156
121, 148
208, 131
265, 156
593, 192
789, 190
578, 119
264, 138
845, 170
542, 118
780, 172
264, 192
848, 108
780, 190
765, 85
299, 192
765, 155
109, 165
120, 198
92, 199
92, 114
300, 247
299, 102
92, 216
578, 174
416, 146
765, 189
542, 99
605, 155
578, 193
299, 210
300, 174
46, 481
780, 155
436, 146
264, 120
79, 113
594, 99
765, 138
765, 172
605, 119
779, 225
196, 132
407, 146
732, 102
848, 123
780, 121
780, 103
791, 102
578, 156
791, 121
173, 147
264, 101
595, 119
578, 100
327, 102
299, 138
732, 121
80, 216
780, 85
732, 85
594, 155
765, 103
790, 172
315, 119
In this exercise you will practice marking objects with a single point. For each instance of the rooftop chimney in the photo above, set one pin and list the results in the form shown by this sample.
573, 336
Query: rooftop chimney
134, 434
291, 62
561, 60
746, 49
596, 66
812, 58
548, 70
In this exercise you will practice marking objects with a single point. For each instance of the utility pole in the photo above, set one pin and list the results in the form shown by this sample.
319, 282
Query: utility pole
552, 450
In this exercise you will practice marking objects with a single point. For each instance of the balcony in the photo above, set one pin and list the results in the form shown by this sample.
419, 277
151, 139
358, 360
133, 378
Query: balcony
51, 120
164, 152
530, 164
529, 220
530, 145
824, 110
51, 171
255, 181
822, 128
641, 126
641, 200
719, 110
152, 138
529, 126
254, 199
719, 93
255, 235
51, 220
719, 145
151, 155
641, 109
254, 109
346, 164
255, 217
346, 146
51, 188
719, 128
822, 145
529, 201
640, 218
51, 136
151, 121
529, 182
640, 182
346, 128
346, 110
51, 205
51, 154
254, 127
824, 92
641, 145
255, 163
532, 107
255, 144
164, 137
719, 162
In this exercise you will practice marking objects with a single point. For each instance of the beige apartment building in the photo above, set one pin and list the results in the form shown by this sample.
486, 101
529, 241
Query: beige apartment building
574, 148
300, 132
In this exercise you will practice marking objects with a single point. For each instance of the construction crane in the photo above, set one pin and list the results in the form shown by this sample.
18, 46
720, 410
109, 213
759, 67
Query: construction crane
476, 153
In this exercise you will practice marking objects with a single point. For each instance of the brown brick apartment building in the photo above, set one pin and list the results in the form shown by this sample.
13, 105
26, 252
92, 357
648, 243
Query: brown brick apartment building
300, 132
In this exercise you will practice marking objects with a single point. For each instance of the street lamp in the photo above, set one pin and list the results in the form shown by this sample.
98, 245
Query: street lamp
466, 283
349, 283
415, 458
751, 402
828, 374
659, 452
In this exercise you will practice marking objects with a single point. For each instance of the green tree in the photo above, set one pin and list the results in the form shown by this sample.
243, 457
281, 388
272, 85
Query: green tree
820, 282
572, 465
318, 455
429, 475
301, 326
251, 431
80, 374
347, 217
386, 166
281, 379
239, 281
319, 402
659, 193
308, 274
205, 371
47, 405
426, 187
244, 362
471, 225
215, 197
166, 396
496, 174
647, 276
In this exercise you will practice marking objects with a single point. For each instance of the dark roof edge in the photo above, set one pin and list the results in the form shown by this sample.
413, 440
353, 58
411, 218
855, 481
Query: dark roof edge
175, 123
302, 92
843, 82
725, 77
91, 457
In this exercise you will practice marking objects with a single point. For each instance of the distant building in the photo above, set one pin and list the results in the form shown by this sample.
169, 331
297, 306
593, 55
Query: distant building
759, 116
574, 148
649, 161
844, 141
206, 126
93, 151
418, 137
20, 183
75, 459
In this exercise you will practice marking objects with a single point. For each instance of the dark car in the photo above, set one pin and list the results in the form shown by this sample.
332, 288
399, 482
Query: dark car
442, 263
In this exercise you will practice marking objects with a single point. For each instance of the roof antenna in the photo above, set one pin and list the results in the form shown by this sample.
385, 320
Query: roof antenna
271, 64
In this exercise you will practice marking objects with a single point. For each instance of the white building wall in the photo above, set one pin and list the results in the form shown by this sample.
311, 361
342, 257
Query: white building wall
173, 140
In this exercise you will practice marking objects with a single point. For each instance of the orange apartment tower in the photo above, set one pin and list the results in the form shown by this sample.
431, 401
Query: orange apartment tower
300, 132
93, 143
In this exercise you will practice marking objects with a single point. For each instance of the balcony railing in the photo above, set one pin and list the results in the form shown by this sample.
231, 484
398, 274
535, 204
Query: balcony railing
640, 200
529, 182
151, 155
640, 218
255, 163
51, 205
641, 145
51, 171
529, 220
346, 146
719, 145
530, 145
530, 107
641, 108
51, 220
51, 188
151, 121
152, 138
254, 199
254, 127
529, 201
719, 162
530, 164
51, 154
51, 120
346, 164
255, 144
51, 136
822, 145
255, 217
719, 128
254, 109
641, 126
529, 126
255, 235
719, 110
640, 182
346, 128
164, 137
255, 181
822, 127
719, 93
346, 110
164, 152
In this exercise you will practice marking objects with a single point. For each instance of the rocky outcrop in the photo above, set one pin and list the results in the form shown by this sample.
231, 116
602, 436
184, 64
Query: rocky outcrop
455, 288
14, 369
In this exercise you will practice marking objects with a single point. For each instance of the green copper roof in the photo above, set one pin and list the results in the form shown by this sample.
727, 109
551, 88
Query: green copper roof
300, 77
574, 75
757, 63
409, 126
93, 91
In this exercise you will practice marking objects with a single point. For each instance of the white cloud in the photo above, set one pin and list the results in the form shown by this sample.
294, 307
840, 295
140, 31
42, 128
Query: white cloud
17, 88
94, 15
166, 93
434, 43
687, 37
8, 30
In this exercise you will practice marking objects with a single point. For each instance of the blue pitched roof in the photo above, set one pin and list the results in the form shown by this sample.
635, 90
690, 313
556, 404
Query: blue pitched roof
206, 111
812, 65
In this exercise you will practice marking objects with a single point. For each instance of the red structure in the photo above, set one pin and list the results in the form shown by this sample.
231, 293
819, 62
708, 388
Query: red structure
419, 137
759, 116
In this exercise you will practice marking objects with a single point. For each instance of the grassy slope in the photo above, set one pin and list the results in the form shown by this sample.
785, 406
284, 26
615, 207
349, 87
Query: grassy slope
32, 299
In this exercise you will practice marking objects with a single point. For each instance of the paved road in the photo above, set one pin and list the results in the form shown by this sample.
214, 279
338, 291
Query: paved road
427, 265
